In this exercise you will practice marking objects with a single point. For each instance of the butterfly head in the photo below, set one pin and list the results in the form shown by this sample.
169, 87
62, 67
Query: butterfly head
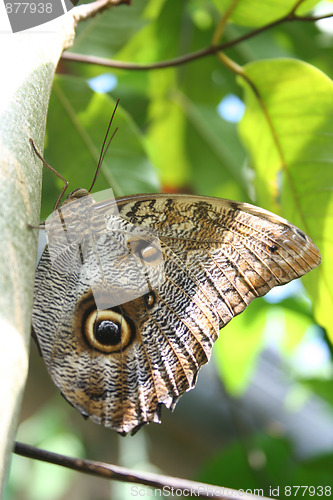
75, 195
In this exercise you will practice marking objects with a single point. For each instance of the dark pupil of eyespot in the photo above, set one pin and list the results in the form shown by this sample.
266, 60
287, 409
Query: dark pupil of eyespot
108, 333
273, 248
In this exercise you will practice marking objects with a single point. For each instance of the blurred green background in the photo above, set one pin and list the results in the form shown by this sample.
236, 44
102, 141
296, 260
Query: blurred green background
261, 416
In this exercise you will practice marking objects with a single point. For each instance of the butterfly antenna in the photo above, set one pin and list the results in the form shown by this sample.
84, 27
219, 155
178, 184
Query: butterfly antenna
104, 147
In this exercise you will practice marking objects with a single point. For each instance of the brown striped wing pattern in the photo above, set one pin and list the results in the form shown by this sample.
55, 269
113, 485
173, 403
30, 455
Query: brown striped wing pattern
120, 364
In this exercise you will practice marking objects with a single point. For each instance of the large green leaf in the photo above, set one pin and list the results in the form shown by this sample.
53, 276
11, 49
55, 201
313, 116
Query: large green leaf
259, 12
104, 35
190, 144
239, 345
283, 324
288, 132
216, 155
266, 466
321, 387
167, 131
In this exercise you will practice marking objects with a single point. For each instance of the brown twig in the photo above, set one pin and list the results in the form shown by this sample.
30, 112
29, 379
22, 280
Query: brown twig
84, 12
111, 63
163, 483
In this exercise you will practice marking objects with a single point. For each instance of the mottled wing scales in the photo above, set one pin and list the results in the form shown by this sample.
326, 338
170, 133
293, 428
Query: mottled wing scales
217, 257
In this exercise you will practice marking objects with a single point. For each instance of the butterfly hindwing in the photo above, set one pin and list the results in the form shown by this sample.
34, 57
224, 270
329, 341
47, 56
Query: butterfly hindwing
171, 271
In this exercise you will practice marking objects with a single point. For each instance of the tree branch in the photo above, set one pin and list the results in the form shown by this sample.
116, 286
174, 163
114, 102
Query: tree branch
24, 100
86, 11
208, 51
158, 481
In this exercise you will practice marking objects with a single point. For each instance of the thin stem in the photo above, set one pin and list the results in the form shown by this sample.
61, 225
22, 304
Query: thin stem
208, 51
222, 23
297, 4
170, 484
84, 12
229, 63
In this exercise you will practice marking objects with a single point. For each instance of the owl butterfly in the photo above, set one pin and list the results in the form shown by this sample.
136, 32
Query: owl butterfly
125, 318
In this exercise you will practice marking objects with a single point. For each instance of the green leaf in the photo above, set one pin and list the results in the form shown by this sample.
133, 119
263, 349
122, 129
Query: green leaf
200, 155
215, 153
321, 387
239, 345
255, 463
104, 35
265, 466
297, 318
258, 13
167, 126
292, 154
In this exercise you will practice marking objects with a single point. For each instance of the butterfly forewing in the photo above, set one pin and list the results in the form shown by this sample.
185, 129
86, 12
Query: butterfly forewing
170, 272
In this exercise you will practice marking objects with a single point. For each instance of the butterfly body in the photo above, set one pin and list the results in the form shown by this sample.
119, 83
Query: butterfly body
167, 272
